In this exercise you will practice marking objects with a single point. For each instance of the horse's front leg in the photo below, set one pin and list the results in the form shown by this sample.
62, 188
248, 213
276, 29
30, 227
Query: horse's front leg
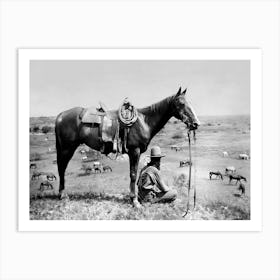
134, 156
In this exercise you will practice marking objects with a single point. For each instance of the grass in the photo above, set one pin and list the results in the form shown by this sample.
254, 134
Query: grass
35, 157
105, 196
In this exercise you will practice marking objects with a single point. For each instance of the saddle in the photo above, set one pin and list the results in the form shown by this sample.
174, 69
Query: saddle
113, 127
107, 124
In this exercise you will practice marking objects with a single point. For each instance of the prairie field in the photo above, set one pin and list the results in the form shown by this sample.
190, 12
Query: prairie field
106, 195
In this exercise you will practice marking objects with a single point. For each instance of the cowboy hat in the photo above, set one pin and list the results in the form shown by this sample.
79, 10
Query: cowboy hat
156, 152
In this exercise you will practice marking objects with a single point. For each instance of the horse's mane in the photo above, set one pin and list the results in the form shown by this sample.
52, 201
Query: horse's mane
158, 106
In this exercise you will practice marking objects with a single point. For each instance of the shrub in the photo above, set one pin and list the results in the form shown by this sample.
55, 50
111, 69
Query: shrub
177, 135
35, 128
46, 129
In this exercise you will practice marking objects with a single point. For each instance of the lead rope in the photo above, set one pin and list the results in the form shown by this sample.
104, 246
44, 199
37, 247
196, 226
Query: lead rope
194, 186
190, 174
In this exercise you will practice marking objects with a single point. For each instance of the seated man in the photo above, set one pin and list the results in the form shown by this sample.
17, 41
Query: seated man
151, 187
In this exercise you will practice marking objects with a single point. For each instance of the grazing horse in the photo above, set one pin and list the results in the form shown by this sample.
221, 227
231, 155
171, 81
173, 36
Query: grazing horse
238, 178
107, 168
50, 177
33, 165
97, 166
185, 163
217, 174
46, 184
230, 169
71, 132
243, 156
36, 175
86, 168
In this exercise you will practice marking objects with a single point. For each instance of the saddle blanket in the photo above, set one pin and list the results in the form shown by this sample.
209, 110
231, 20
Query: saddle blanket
91, 115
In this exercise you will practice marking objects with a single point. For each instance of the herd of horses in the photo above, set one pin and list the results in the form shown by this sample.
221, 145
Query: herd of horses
229, 172
49, 177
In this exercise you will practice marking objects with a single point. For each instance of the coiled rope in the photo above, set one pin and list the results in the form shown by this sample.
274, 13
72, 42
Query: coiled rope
127, 113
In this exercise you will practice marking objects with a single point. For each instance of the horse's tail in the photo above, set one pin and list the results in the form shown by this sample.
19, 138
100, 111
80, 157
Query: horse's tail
57, 138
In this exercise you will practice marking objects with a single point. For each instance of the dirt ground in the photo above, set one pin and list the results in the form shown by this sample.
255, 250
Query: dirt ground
105, 195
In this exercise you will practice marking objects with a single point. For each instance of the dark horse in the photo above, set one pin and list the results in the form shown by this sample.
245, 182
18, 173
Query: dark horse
71, 132
217, 174
238, 178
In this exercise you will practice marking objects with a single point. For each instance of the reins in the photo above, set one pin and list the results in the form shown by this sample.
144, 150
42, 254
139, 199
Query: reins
190, 176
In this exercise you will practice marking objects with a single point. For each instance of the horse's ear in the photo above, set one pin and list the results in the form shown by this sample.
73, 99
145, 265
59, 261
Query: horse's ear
179, 91
184, 92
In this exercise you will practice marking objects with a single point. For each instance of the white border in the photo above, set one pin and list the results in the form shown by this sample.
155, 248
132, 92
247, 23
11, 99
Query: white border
24, 57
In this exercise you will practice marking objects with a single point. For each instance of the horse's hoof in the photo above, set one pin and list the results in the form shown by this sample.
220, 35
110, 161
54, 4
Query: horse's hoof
62, 195
136, 204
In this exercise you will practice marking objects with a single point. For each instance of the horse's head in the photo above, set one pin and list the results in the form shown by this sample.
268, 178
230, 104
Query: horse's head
184, 111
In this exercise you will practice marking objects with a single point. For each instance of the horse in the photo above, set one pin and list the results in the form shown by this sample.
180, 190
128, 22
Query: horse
46, 184
97, 166
217, 174
33, 165
71, 132
238, 178
36, 175
86, 168
225, 154
106, 168
241, 188
230, 169
50, 176
243, 156
185, 163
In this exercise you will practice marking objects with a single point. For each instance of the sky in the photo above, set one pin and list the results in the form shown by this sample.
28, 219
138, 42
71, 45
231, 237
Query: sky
213, 87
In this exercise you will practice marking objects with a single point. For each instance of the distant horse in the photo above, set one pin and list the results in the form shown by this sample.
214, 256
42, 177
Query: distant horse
33, 165
71, 132
106, 168
97, 169
243, 156
217, 174
230, 169
241, 188
45, 184
82, 152
185, 163
86, 168
36, 175
238, 178
50, 177
97, 166
225, 154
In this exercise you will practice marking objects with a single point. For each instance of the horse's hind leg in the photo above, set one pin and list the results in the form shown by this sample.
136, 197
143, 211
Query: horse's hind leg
63, 157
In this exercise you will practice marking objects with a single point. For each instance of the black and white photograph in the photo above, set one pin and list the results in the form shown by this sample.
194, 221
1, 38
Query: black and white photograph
140, 139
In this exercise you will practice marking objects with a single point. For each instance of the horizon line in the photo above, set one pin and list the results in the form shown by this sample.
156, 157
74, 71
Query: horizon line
222, 115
